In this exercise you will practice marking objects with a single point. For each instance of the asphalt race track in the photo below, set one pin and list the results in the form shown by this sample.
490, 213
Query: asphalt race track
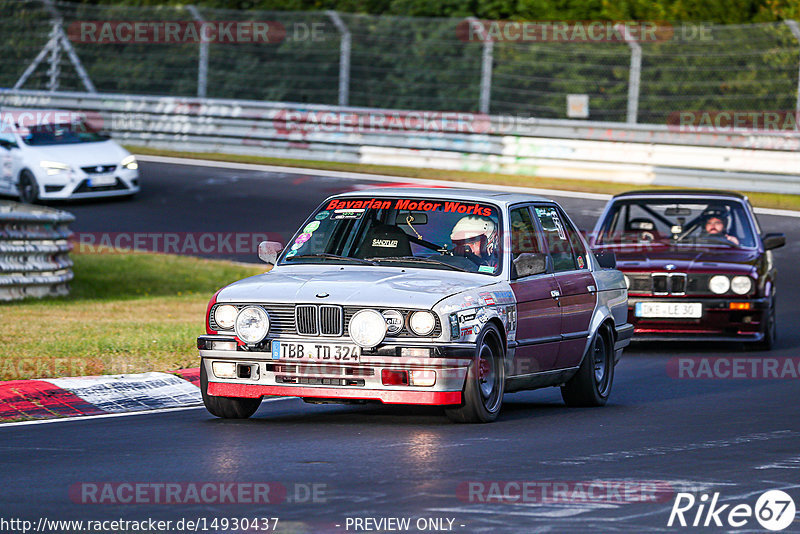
739, 437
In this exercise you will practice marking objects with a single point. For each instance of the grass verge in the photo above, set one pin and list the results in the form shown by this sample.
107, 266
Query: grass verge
126, 313
764, 200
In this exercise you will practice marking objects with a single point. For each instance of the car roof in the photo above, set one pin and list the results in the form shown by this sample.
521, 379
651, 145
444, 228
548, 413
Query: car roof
447, 193
694, 193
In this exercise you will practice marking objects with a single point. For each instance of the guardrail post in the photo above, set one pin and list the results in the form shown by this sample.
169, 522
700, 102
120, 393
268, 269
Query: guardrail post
487, 61
344, 57
796, 32
202, 59
635, 74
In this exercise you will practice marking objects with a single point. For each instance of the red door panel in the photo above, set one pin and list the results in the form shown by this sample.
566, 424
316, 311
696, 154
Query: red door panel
578, 299
538, 324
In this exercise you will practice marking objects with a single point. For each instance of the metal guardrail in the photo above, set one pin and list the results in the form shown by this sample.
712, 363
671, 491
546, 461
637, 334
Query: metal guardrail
34, 251
555, 148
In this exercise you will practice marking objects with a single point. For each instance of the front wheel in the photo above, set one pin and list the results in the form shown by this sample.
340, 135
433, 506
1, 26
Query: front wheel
225, 407
770, 329
591, 385
486, 382
28, 188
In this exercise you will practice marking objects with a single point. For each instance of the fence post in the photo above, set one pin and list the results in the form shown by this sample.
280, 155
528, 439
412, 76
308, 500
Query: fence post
344, 57
55, 44
635, 74
796, 32
202, 58
54, 68
487, 60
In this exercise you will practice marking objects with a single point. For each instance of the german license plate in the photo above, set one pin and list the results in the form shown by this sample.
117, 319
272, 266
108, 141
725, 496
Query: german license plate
310, 351
669, 310
99, 180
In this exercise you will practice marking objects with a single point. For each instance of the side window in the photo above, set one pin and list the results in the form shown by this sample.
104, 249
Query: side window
556, 238
581, 262
523, 233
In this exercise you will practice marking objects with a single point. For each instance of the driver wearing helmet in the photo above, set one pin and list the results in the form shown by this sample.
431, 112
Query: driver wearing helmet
716, 225
475, 238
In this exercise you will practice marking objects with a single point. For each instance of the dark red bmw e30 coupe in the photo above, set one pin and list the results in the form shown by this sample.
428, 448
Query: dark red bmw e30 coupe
696, 264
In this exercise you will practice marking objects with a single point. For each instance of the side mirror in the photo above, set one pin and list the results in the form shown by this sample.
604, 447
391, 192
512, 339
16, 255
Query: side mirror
772, 241
8, 145
528, 264
606, 259
268, 251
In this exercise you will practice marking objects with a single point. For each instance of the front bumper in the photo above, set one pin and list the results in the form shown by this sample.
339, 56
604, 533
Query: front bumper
57, 188
262, 375
718, 322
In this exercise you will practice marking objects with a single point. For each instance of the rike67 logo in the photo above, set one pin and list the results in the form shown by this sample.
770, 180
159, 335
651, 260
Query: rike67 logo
774, 510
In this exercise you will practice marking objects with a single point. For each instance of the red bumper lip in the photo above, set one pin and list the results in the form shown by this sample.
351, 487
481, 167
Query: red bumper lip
254, 391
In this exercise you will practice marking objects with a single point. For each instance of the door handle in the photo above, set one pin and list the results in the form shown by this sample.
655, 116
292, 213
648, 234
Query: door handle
591, 289
555, 293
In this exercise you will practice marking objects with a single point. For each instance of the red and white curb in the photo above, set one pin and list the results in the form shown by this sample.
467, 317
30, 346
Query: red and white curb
49, 398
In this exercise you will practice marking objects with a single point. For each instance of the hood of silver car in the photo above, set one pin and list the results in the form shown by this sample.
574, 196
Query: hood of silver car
353, 285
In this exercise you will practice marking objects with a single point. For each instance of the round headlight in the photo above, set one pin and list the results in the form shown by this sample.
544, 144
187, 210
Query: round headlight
367, 328
422, 323
719, 284
252, 324
225, 316
741, 285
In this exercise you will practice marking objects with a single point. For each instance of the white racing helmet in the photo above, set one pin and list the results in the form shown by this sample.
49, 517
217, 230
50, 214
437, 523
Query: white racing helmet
471, 227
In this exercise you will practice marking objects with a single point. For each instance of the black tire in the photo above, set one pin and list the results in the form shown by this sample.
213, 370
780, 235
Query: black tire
28, 188
486, 381
770, 329
591, 385
225, 407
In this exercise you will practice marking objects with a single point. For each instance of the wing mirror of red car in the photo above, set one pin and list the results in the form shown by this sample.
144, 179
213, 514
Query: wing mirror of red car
606, 259
268, 251
772, 241
529, 264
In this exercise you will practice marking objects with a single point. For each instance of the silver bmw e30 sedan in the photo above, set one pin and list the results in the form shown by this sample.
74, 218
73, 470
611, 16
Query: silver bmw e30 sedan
427, 296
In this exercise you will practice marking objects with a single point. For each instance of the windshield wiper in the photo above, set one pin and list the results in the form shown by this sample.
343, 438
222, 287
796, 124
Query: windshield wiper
415, 259
331, 256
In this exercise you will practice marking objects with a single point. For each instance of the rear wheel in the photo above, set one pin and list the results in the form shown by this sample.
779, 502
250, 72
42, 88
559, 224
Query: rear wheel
28, 188
225, 407
591, 385
485, 385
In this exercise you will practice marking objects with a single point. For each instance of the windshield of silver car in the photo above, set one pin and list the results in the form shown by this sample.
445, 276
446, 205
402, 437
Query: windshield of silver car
422, 233
676, 223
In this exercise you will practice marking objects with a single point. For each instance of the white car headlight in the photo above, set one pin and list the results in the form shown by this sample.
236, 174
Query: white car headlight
252, 324
741, 285
719, 284
130, 163
225, 316
54, 167
367, 328
422, 323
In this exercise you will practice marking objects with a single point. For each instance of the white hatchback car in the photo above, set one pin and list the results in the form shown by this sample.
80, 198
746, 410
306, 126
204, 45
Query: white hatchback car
46, 158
